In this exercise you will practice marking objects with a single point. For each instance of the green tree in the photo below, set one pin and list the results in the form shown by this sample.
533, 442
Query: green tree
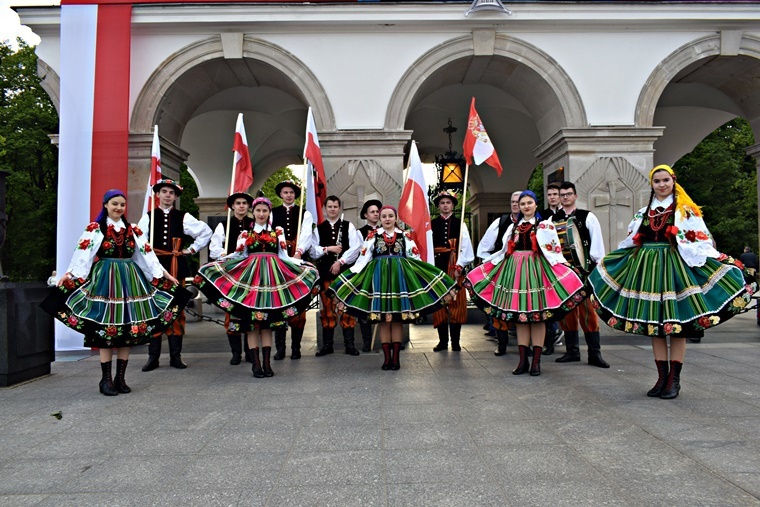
280, 175
27, 118
536, 185
720, 176
189, 192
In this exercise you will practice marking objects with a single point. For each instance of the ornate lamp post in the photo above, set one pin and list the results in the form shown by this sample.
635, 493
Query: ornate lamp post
450, 167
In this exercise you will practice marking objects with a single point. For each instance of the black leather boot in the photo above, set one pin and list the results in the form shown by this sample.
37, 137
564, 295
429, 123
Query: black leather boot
573, 353
503, 339
673, 384
256, 368
595, 350
279, 343
296, 334
247, 349
524, 365
456, 332
396, 361
175, 350
118, 382
106, 382
266, 352
662, 378
348, 341
236, 347
154, 352
535, 365
443, 338
548, 341
328, 339
388, 358
366, 329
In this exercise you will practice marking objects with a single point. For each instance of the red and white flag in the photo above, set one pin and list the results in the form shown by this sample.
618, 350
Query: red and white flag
413, 208
155, 171
477, 144
315, 177
242, 172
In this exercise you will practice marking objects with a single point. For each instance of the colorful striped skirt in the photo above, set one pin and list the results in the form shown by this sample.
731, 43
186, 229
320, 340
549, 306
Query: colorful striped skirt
116, 306
393, 289
261, 289
651, 291
525, 288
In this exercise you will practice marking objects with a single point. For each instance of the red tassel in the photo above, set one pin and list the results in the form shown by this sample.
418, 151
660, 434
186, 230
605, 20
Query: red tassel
510, 247
533, 241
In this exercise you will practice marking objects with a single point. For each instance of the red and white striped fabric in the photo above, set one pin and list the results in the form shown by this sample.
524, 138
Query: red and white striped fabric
94, 122
316, 182
242, 177
413, 208
155, 171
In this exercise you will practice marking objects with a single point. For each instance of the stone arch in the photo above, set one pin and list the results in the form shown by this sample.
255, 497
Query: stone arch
50, 82
568, 98
145, 112
705, 47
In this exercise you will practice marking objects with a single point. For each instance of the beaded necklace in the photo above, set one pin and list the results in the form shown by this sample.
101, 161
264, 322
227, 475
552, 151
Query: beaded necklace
389, 240
658, 219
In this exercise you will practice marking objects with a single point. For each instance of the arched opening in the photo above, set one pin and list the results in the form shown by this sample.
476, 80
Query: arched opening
195, 97
522, 95
699, 87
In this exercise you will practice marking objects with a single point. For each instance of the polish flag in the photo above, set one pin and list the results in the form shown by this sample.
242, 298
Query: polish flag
413, 208
477, 144
316, 181
242, 172
155, 171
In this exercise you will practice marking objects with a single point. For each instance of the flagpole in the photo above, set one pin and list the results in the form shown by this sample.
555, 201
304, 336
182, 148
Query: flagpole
304, 184
152, 215
464, 201
152, 193
229, 211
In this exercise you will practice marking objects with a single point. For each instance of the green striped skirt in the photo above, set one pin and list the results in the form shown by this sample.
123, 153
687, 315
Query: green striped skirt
116, 306
650, 290
393, 288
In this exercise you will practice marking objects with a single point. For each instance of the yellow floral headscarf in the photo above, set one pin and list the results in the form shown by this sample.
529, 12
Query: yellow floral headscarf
682, 199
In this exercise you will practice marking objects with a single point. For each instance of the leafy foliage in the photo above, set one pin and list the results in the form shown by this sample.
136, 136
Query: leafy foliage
280, 175
189, 192
720, 176
536, 185
27, 118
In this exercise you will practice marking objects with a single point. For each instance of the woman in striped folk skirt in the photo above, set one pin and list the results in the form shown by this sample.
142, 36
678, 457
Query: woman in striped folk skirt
260, 284
119, 300
389, 284
667, 280
528, 282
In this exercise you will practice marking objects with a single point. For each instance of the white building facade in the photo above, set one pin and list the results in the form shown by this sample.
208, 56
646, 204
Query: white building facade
599, 92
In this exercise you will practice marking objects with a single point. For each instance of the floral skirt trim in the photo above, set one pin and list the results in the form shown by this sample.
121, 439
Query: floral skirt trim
651, 291
393, 289
261, 289
116, 306
525, 287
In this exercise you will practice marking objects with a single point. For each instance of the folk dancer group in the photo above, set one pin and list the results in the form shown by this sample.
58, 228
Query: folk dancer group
666, 280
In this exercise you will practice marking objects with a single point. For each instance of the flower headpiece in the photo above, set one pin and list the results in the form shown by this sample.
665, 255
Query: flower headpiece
262, 200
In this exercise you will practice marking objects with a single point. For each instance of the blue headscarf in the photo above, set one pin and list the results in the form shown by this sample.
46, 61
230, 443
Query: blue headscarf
530, 194
107, 197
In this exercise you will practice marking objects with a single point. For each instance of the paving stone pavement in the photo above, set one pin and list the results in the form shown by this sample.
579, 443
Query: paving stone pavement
447, 429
